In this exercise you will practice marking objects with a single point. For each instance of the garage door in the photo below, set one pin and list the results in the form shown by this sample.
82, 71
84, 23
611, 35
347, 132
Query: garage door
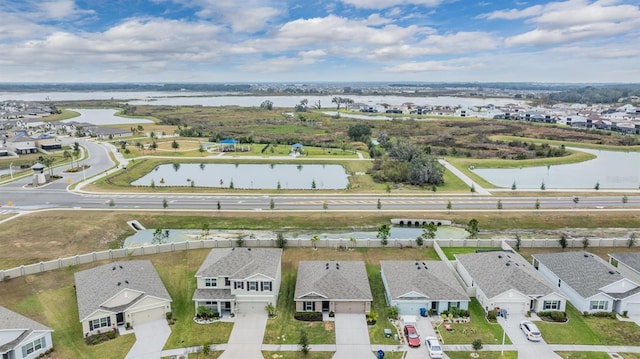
512, 307
633, 308
411, 308
350, 307
251, 307
147, 315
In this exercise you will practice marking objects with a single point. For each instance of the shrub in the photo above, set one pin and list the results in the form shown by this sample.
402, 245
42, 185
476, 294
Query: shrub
309, 316
393, 312
492, 315
611, 315
477, 344
169, 315
553, 316
332, 314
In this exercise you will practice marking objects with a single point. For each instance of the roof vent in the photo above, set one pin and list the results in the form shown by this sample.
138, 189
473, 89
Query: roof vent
114, 268
417, 263
612, 272
119, 284
418, 267
507, 264
499, 255
337, 265
326, 266
249, 249
586, 255
424, 264
120, 266
126, 281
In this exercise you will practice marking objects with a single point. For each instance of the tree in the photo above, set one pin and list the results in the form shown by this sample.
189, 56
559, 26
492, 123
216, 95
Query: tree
272, 204
513, 186
449, 206
359, 132
219, 206
205, 230
472, 228
240, 240
270, 309
563, 241
632, 240
473, 188
379, 204
165, 204
576, 199
266, 105
201, 149
625, 199
160, 236
313, 184
585, 242
537, 204
597, 186
425, 169
429, 230
304, 343
154, 145
383, 234
338, 101
281, 240
175, 145
542, 186
518, 242
499, 205
325, 205
419, 241
388, 188
314, 240
48, 162
477, 344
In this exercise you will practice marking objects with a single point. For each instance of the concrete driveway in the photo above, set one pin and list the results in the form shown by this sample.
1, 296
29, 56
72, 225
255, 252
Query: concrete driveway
526, 349
425, 329
246, 337
150, 339
352, 337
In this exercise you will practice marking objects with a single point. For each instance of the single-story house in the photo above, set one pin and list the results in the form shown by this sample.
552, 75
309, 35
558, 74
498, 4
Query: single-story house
411, 285
21, 337
504, 280
120, 293
238, 280
627, 263
590, 283
332, 286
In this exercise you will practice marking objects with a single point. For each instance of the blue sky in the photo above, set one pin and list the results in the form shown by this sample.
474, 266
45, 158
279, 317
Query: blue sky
301, 41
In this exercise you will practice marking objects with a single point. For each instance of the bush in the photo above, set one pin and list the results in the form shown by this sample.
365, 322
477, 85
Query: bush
332, 314
393, 312
611, 315
553, 316
477, 344
169, 315
309, 316
492, 315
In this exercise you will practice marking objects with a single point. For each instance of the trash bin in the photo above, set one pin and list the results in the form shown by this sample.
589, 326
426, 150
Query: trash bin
380, 354
423, 312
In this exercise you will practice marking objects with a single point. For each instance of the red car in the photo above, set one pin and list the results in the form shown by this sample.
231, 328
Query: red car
413, 338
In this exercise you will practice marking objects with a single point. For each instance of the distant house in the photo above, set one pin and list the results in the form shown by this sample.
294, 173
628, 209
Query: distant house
118, 293
590, 283
21, 337
238, 280
411, 285
332, 286
627, 263
22, 144
505, 280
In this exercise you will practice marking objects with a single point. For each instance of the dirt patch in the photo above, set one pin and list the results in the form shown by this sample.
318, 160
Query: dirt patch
329, 326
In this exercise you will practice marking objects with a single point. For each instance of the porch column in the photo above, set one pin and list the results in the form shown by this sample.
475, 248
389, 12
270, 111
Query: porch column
219, 309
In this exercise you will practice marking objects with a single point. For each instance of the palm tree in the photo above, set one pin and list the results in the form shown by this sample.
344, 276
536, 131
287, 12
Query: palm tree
314, 239
352, 240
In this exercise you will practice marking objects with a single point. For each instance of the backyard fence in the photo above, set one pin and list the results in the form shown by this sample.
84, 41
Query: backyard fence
113, 254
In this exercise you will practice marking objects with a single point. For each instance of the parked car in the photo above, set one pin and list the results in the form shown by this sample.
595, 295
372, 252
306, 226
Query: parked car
530, 330
413, 338
433, 347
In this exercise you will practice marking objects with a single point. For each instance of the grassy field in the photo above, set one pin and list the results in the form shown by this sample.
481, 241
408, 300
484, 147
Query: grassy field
593, 146
451, 251
595, 355
477, 328
296, 355
482, 355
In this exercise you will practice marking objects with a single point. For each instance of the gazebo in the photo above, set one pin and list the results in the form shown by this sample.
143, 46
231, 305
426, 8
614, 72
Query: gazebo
228, 145
297, 147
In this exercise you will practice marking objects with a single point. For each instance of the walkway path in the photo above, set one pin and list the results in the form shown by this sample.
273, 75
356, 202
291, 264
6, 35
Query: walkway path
464, 177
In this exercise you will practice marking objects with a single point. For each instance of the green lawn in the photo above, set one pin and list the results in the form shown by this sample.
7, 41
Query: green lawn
482, 355
211, 355
590, 330
450, 251
585, 355
284, 329
477, 328
296, 355
376, 332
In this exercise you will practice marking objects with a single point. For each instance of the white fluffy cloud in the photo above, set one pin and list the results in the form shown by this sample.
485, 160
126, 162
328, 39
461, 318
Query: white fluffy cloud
429, 66
383, 4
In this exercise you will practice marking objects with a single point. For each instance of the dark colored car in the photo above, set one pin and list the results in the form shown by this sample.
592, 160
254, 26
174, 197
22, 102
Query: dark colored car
413, 338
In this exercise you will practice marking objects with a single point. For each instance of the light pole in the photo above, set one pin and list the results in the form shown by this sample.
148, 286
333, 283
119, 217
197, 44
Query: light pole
11, 169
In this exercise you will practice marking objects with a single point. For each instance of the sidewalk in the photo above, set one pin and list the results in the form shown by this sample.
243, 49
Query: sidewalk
464, 178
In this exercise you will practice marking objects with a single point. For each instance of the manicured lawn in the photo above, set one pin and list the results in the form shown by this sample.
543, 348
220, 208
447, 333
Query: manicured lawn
450, 251
391, 355
376, 331
296, 355
482, 355
211, 355
590, 330
477, 328
585, 355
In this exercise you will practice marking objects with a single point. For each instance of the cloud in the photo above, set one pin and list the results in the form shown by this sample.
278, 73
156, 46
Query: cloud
430, 66
383, 4
60, 9
278, 64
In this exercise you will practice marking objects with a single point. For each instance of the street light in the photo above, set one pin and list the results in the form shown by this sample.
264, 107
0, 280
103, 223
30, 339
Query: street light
11, 169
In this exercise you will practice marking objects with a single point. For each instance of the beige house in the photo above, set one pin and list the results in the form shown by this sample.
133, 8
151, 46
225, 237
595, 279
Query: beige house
120, 293
332, 286
238, 280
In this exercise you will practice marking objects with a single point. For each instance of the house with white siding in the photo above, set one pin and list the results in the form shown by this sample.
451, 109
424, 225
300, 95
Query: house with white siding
21, 337
627, 263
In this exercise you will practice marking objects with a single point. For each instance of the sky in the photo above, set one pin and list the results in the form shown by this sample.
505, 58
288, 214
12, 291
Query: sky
298, 41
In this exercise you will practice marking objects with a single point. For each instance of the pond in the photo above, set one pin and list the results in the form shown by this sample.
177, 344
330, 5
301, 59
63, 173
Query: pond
101, 117
145, 237
247, 176
610, 169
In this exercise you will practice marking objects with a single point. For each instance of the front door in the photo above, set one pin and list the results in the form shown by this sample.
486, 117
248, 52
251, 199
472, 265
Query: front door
325, 306
120, 318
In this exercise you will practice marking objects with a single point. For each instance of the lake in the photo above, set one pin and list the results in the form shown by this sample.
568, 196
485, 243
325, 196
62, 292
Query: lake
247, 176
611, 169
101, 117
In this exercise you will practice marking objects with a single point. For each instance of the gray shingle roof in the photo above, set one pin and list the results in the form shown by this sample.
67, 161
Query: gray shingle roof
584, 272
240, 263
12, 321
434, 279
498, 272
211, 294
333, 280
96, 285
630, 259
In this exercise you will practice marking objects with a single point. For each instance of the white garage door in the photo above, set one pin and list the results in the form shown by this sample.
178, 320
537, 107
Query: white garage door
411, 308
350, 307
512, 307
633, 308
251, 307
147, 315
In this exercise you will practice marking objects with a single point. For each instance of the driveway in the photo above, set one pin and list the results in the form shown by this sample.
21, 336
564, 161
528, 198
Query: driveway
526, 349
246, 337
352, 337
425, 329
150, 339
635, 318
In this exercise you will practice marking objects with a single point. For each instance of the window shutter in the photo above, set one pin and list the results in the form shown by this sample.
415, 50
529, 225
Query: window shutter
91, 325
44, 342
261, 286
108, 321
24, 351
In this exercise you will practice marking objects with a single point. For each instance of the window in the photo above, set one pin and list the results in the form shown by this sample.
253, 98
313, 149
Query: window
227, 282
309, 306
100, 323
33, 346
265, 286
599, 305
210, 282
252, 286
238, 285
551, 305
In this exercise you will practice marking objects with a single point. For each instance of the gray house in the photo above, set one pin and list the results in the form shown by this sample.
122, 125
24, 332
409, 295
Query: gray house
627, 263
241, 280
111, 295
332, 286
504, 280
411, 285
21, 337
590, 283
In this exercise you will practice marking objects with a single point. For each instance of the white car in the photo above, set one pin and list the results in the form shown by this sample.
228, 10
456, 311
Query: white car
433, 347
531, 331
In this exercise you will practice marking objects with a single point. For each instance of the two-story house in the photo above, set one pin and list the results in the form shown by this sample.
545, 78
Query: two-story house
238, 280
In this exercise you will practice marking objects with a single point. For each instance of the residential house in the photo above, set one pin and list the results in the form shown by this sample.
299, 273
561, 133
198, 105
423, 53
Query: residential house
21, 337
332, 286
627, 263
238, 280
21, 144
502, 279
120, 293
411, 285
590, 283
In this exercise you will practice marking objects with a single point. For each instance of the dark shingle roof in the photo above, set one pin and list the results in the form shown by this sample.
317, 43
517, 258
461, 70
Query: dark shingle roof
498, 272
584, 272
12, 321
96, 285
433, 279
240, 263
630, 259
333, 280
